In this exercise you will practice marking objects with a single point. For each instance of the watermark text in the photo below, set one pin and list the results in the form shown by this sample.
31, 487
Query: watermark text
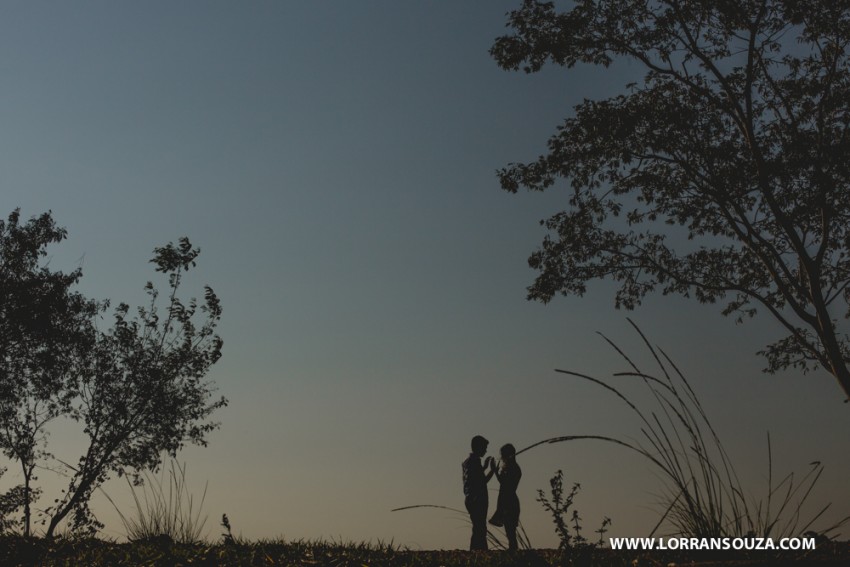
710, 543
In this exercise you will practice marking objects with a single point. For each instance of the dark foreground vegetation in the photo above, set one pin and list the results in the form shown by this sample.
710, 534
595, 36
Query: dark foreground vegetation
18, 551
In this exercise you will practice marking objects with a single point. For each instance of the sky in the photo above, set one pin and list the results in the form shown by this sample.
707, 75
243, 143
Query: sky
336, 164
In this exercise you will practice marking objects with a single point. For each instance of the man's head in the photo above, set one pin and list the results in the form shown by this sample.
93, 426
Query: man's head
479, 445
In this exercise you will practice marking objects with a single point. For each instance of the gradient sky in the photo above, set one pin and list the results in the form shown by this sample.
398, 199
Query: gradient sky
336, 163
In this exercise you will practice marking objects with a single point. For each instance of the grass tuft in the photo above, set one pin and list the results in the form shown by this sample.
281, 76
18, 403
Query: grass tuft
166, 511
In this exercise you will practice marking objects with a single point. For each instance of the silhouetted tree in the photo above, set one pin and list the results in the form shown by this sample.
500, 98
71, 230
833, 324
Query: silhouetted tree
46, 333
144, 394
738, 134
137, 388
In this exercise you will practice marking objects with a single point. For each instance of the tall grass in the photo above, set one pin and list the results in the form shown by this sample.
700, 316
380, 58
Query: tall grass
165, 509
703, 495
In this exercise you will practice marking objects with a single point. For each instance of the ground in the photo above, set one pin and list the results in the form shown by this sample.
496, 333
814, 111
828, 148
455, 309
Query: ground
17, 551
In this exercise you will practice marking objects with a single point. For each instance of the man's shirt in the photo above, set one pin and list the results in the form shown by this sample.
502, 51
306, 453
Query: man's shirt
474, 480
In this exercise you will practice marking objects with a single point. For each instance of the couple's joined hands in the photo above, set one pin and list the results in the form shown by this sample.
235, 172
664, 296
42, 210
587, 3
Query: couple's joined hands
491, 462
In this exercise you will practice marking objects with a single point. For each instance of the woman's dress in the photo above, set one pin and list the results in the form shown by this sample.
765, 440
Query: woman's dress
507, 506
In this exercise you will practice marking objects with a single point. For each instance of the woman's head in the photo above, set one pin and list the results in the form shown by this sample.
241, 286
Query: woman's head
507, 451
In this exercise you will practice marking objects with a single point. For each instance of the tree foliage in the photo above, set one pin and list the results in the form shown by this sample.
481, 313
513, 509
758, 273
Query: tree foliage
46, 331
723, 175
137, 388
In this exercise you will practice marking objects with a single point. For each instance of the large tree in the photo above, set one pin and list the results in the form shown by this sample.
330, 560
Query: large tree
724, 174
137, 388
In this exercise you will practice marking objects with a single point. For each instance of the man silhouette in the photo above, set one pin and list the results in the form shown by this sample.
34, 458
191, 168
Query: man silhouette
475, 491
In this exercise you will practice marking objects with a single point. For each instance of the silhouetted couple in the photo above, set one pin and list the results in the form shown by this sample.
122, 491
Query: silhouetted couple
475, 479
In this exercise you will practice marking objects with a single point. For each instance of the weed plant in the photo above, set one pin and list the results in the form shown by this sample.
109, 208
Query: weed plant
568, 524
703, 494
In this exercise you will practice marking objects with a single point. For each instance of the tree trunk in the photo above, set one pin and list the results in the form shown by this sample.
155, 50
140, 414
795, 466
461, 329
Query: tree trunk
63, 511
27, 510
826, 333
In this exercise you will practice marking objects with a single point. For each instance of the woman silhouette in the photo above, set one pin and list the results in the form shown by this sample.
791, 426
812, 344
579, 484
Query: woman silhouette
507, 506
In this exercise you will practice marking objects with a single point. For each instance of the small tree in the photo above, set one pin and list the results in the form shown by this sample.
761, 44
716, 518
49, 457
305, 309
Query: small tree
144, 393
738, 133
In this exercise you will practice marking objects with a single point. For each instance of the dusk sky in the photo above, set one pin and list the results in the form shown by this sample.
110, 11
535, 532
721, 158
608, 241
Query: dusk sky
336, 164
